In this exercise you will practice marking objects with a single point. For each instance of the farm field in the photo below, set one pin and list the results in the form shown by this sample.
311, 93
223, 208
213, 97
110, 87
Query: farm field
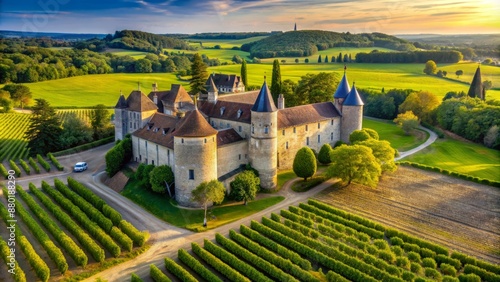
456, 213
389, 131
65, 231
124, 52
462, 157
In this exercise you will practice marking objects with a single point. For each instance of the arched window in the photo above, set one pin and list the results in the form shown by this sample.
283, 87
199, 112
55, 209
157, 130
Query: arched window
266, 129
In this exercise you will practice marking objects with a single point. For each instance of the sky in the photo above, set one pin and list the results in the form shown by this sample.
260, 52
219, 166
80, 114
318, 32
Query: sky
196, 16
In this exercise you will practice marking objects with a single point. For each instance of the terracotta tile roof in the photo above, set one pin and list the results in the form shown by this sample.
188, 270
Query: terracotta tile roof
176, 94
229, 110
194, 125
353, 98
159, 130
264, 102
305, 114
227, 136
245, 97
139, 102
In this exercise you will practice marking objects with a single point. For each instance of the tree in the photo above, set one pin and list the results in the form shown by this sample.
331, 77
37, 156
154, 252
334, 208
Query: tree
332, 60
339, 58
19, 94
407, 121
288, 89
358, 136
208, 192
422, 104
5, 102
276, 81
199, 75
244, 75
492, 138
383, 152
355, 163
459, 73
237, 59
245, 186
319, 59
430, 67
306, 60
160, 179
326, 59
487, 85
99, 119
143, 66
373, 134
304, 163
324, 154
44, 130
297, 60
74, 132
145, 182
316, 88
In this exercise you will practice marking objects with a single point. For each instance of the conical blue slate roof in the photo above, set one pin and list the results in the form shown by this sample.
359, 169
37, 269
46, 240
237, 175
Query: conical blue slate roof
264, 102
343, 88
353, 98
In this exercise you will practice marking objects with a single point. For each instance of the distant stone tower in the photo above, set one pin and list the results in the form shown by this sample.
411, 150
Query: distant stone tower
263, 145
121, 121
195, 147
213, 93
352, 114
295, 27
342, 91
476, 87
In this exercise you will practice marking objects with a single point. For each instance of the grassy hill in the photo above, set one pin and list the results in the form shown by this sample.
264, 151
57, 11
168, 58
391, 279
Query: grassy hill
224, 43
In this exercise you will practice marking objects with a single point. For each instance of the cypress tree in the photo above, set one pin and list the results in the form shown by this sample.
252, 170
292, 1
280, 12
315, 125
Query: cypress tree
319, 59
332, 60
244, 77
199, 75
326, 59
276, 81
339, 58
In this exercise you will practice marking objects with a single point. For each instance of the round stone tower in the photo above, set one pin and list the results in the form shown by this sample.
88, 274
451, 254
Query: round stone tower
263, 145
195, 152
352, 114
342, 91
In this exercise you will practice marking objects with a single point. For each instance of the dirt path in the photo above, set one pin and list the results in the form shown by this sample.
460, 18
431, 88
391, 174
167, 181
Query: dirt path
432, 137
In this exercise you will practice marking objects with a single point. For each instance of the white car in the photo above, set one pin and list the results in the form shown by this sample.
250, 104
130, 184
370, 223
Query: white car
80, 166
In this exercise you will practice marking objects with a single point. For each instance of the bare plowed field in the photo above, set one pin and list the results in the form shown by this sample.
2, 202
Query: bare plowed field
461, 215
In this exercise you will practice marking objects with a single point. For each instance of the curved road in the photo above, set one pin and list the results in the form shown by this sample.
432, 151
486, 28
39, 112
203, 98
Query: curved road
432, 137
165, 238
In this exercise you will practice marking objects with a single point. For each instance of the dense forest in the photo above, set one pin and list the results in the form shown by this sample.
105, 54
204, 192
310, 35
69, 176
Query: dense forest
410, 57
145, 41
228, 35
308, 42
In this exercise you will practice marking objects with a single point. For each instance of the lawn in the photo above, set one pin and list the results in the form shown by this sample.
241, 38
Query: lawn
462, 157
192, 219
389, 131
284, 176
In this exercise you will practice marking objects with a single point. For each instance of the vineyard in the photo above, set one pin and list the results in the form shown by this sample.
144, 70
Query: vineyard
63, 229
14, 125
317, 242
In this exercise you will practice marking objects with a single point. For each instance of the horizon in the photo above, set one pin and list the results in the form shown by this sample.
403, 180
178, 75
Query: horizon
393, 17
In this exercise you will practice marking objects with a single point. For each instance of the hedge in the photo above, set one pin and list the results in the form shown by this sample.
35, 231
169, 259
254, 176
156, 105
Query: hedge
42, 271
267, 266
85, 193
432, 273
125, 242
279, 261
275, 247
465, 259
71, 248
15, 168
93, 229
112, 214
218, 265
135, 278
93, 213
84, 147
43, 162
236, 263
447, 278
179, 271
197, 266
438, 249
55, 162
137, 236
25, 166
484, 274
469, 278
19, 273
85, 240
4, 171
449, 260
448, 269
34, 165
157, 275
335, 277
337, 266
52, 250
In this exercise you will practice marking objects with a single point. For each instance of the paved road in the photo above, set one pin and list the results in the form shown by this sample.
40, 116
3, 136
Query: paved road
432, 137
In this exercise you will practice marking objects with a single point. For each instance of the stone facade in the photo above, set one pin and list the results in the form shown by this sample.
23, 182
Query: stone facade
263, 147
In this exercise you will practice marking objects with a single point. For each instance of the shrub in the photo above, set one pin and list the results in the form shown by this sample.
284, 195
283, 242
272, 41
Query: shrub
426, 253
179, 271
135, 278
397, 250
15, 168
484, 274
415, 267
411, 248
429, 262
388, 256
4, 171
121, 238
86, 193
448, 269
4, 250
43, 163
381, 244
469, 278
157, 275
25, 166
408, 276
196, 266
137, 236
84, 147
335, 277
55, 162
413, 256
432, 273
396, 241
447, 278
403, 262
34, 165
448, 260
324, 154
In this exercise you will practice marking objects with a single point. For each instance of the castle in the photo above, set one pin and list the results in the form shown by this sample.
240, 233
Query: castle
213, 138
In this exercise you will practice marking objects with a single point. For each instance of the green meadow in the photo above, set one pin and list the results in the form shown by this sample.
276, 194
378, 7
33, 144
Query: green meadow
124, 52
462, 157
224, 43
224, 55
389, 131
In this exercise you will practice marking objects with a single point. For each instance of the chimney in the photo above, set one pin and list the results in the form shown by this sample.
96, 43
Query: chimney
155, 98
281, 102
155, 87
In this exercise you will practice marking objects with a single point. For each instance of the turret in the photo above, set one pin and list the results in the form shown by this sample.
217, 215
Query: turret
352, 114
213, 93
195, 147
341, 92
263, 145
121, 118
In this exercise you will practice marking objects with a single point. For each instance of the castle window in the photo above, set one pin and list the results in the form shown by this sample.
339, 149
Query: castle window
182, 140
294, 131
239, 157
239, 128
266, 129
307, 127
319, 125
239, 113
221, 124
222, 110
253, 128
191, 174
319, 138
332, 121
205, 140
153, 162
286, 145
307, 141
130, 124
283, 132
146, 160
228, 125
331, 136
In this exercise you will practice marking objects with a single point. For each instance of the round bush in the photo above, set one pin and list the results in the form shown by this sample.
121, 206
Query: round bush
413, 256
397, 250
396, 241
403, 262
429, 262
415, 267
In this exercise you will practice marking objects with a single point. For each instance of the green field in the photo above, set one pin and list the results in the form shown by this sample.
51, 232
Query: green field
389, 131
224, 43
466, 158
224, 55
124, 52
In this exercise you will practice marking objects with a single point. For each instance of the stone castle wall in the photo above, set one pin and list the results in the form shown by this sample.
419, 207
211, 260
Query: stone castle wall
352, 119
231, 156
263, 147
243, 129
154, 154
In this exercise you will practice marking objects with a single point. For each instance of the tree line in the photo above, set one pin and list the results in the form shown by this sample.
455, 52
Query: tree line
449, 56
